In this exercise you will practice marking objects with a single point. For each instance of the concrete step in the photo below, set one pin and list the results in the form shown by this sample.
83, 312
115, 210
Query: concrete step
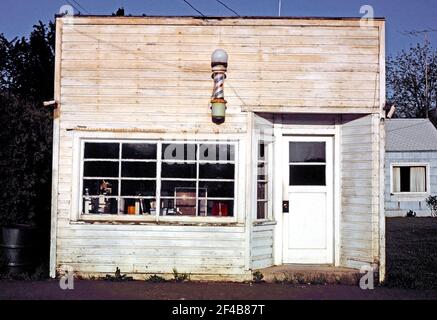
310, 274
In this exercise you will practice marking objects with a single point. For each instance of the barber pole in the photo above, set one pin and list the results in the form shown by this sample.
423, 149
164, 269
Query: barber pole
219, 64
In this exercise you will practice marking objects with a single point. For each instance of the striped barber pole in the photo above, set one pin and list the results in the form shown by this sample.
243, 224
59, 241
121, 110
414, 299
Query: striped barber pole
219, 84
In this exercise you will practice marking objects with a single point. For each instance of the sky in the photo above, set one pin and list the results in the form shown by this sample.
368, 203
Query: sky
18, 16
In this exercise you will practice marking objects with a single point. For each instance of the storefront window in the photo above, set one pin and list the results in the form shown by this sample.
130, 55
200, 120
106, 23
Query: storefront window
134, 178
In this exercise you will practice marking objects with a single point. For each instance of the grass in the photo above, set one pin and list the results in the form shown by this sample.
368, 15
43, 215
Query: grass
411, 253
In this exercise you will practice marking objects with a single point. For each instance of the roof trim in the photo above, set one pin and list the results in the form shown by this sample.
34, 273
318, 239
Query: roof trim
225, 17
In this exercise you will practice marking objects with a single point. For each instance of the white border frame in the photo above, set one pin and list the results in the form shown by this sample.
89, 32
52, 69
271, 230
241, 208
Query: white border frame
281, 130
80, 137
409, 196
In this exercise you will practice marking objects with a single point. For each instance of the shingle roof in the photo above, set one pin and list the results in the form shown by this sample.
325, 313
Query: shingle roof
410, 135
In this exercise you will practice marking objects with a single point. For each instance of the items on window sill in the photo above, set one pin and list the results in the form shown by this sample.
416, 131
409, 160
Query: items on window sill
220, 209
140, 207
87, 203
131, 210
105, 203
135, 209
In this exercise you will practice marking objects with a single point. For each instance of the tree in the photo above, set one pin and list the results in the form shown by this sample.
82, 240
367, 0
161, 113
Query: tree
120, 12
31, 63
412, 82
27, 73
25, 161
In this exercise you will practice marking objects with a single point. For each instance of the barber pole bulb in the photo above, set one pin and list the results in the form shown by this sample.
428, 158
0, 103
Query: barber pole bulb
219, 64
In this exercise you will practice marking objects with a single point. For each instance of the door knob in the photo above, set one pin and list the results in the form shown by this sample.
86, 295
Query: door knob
285, 206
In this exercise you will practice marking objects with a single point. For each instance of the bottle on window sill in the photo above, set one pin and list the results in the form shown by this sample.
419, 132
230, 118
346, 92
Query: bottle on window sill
87, 203
102, 204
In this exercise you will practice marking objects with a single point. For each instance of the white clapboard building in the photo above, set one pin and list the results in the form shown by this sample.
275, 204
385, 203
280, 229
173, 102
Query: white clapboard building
151, 173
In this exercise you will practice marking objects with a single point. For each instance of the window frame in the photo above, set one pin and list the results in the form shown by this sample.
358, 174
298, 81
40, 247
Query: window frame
268, 145
78, 214
410, 164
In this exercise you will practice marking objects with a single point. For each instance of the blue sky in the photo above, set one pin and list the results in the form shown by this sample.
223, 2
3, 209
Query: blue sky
18, 16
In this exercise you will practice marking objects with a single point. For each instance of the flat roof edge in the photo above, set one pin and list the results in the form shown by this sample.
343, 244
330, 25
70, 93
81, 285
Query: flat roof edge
224, 17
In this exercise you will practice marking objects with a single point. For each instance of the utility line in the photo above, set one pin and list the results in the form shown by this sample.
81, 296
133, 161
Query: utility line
81, 6
192, 7
77, 9
227, 7
416, 33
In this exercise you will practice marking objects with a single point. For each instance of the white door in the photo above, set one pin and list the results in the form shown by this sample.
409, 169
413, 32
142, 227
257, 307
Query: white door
308, 197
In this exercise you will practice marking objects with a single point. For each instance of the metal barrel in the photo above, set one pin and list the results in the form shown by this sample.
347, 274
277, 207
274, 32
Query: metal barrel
18, 248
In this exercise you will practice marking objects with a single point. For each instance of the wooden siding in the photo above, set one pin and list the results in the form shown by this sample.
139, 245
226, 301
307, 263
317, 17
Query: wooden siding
262, 246
151, 249
360, 199
142, 69
398, 206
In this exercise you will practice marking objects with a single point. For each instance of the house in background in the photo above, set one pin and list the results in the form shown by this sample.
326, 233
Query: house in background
410, 166
144, 180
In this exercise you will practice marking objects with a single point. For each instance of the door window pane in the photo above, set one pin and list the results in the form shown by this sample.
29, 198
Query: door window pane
307, 152
304, 175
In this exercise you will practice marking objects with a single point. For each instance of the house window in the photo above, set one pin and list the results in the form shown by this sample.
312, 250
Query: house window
409, 179
263, 182
158, 178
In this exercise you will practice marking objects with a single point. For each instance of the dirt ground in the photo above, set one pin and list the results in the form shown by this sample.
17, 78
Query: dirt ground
139, 290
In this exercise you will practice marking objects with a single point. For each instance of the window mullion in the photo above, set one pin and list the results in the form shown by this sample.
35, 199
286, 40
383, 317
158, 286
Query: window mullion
119, 178
158, 179
197, 178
